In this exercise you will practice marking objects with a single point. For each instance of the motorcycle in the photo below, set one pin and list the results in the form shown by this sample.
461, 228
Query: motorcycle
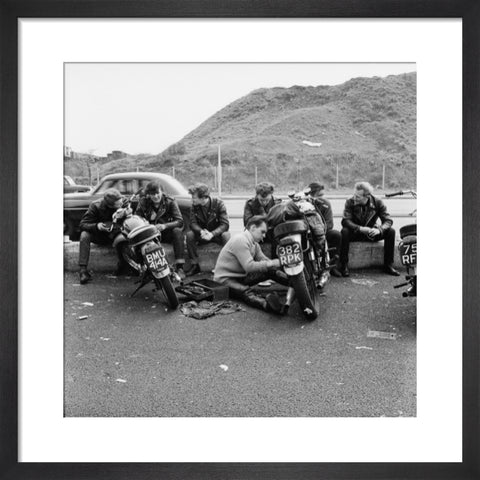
408, 250
299, 232
146, 254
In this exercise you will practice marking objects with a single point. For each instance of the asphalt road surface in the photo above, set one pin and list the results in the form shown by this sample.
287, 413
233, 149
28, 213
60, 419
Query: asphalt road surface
135, 357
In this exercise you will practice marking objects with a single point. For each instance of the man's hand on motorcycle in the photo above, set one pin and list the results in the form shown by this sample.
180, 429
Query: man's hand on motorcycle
102, 227
275, 263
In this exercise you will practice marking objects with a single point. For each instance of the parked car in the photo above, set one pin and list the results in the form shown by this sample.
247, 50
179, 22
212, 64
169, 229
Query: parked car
128, 184
70, 186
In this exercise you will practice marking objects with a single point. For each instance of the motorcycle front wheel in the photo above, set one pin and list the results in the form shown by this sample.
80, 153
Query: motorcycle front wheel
168, 290
306, 292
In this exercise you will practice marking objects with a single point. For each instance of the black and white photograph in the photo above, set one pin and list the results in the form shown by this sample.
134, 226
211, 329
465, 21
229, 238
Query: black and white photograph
239, 239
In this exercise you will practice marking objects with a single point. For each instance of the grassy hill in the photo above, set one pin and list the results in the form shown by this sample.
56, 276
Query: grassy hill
363, 125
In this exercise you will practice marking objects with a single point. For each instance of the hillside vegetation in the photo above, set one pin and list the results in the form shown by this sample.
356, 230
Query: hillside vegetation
363, 125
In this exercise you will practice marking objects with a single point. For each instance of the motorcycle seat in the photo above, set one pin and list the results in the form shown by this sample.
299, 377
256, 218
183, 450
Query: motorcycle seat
289, 227
408, 230
142, 234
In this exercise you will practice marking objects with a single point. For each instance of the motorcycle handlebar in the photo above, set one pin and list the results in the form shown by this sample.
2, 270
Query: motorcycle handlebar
388, 195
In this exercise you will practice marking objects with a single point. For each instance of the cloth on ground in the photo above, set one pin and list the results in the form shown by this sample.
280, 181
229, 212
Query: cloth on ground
204, 309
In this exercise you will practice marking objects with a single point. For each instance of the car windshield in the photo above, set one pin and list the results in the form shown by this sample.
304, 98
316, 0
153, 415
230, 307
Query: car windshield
129, 186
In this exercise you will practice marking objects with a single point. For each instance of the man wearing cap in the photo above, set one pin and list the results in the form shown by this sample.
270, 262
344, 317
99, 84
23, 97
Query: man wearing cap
359, 223
242, 264
96, 226
208, 223
163, 211
324, 208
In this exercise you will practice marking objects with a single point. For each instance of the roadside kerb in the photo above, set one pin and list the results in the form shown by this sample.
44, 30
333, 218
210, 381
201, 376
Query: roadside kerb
104, 259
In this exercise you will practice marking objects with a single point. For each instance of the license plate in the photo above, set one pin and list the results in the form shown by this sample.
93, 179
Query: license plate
408, 253
156, 260
290, 254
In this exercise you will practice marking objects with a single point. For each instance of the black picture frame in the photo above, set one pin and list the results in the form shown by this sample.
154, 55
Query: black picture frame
11, 10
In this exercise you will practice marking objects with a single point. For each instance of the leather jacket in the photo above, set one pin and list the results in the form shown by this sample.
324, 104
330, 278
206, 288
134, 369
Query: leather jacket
168, 212
212, 217
356, 215
254, 207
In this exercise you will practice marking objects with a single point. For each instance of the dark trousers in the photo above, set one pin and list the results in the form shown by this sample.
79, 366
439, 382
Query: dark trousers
194, 239
334, 242
240, 288
175, 237
350, 236
100, 238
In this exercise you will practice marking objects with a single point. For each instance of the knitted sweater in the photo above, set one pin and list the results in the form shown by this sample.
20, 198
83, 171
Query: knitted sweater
241, 255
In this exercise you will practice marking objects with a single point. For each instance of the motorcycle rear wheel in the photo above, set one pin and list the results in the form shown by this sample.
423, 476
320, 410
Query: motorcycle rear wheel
168, 290
306, 292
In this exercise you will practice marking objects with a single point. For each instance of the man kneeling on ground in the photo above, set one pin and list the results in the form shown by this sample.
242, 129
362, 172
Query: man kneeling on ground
242, 264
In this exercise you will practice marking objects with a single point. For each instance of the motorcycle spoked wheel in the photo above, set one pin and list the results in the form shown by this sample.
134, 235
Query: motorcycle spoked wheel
306, 292
165, 284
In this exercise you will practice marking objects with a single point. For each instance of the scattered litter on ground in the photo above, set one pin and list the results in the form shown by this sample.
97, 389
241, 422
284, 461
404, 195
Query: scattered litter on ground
79, 354
303, 326
385, 293
120, 380
386, 335
83, 317
117, 363
364, 281
87, 304
76, 285
364, 348
105, 339
308, 362
204, 309
339, 383
223, 367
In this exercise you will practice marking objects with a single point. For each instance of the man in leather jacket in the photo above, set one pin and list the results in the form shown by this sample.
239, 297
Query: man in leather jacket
360, 225
324, 208
163, 211
96, 226
261, 203
208, 223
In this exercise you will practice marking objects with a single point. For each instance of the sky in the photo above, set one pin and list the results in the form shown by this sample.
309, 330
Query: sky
145, 107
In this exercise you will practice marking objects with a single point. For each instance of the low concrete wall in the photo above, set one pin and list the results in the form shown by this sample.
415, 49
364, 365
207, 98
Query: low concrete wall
104, 259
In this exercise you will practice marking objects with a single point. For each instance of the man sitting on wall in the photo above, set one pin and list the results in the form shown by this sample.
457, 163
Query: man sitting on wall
96, 226
324, 208
360, 225
208, 222
163, 211
242, 264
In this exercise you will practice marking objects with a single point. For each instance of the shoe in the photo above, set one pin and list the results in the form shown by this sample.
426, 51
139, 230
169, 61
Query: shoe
85, 277
274, 304
390, 270
179, 271
344, 271
193, 270
335, 272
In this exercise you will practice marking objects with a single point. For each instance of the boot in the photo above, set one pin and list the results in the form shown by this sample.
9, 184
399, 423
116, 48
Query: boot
179, 271
274, 304
390, 270
345, 272
85, 277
